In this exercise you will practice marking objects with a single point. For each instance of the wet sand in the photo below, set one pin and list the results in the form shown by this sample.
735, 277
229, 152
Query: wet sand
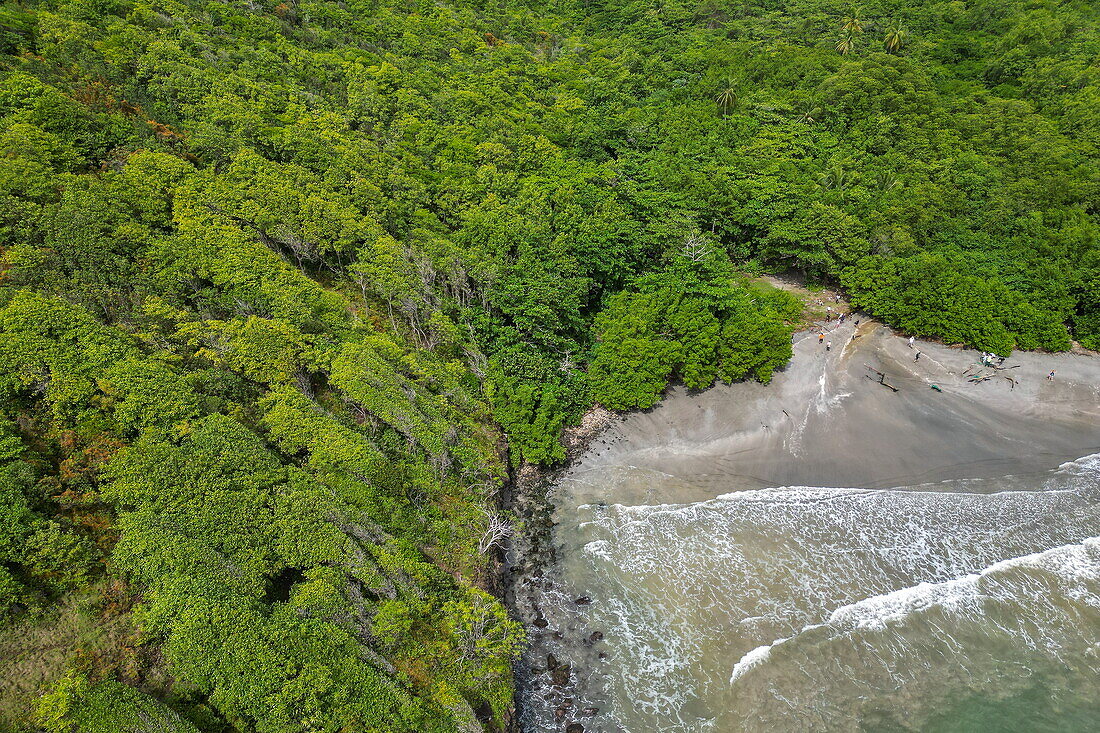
826, 421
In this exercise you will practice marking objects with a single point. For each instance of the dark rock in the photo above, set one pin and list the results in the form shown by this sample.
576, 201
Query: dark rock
558, 635
559, 714
540, 622
589, 712
595, 636
560, 675
551, 661
574, 728
567, 702
583, 601
603, 655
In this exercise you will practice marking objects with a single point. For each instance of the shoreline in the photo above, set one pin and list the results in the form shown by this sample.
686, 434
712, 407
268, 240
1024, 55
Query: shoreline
825, 420
526, 570
822, 422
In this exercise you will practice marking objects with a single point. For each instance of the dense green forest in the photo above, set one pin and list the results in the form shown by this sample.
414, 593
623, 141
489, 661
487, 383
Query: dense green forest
286, 289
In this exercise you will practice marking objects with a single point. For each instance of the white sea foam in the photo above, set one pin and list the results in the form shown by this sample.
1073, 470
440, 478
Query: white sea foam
1034, 616
685, 586
1076, 564
756, 657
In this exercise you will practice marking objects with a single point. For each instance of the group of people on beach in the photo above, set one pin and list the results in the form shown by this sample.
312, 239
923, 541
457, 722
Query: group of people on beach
840, 319
986, 359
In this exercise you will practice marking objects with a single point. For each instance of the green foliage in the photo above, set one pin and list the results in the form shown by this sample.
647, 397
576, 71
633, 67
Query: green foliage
59, 557
18, 523
210, 521
678, 323
303, 259
82, 368
928, 295
533, 398
78, 704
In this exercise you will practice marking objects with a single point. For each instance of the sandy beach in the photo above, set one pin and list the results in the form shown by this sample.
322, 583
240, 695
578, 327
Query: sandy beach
826, 421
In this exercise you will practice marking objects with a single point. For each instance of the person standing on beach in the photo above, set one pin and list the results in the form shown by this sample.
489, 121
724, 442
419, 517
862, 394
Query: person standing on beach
917, 357
821, 338
1050, 377
829, 347
911, 340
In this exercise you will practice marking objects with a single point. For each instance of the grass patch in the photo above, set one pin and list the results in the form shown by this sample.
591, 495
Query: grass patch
91, 630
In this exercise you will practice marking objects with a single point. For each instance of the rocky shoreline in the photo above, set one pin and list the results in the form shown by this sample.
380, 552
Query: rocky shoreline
547, 674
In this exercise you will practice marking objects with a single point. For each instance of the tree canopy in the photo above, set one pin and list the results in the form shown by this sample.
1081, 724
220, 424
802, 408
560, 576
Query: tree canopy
287, 287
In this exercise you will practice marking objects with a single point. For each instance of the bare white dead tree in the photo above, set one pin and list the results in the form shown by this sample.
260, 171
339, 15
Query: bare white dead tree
696, 248
497, 529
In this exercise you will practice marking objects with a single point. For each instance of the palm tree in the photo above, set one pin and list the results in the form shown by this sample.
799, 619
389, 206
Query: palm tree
895, 39
727, 98
807, 112
835, 178
851, 23
845, 45
886, 180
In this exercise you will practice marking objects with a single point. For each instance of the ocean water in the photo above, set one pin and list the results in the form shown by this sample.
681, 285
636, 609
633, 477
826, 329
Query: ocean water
958, 606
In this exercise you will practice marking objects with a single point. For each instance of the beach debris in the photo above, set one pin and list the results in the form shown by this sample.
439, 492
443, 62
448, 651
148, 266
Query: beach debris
980, 376
883, 382
936, 387
881, 377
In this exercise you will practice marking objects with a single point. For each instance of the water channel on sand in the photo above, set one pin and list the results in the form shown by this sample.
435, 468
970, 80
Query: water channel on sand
823, 553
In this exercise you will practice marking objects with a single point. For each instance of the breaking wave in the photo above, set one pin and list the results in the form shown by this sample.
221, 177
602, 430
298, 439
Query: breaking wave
833, 607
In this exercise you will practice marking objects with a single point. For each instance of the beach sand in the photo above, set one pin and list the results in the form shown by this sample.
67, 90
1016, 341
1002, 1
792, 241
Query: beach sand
826, 421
